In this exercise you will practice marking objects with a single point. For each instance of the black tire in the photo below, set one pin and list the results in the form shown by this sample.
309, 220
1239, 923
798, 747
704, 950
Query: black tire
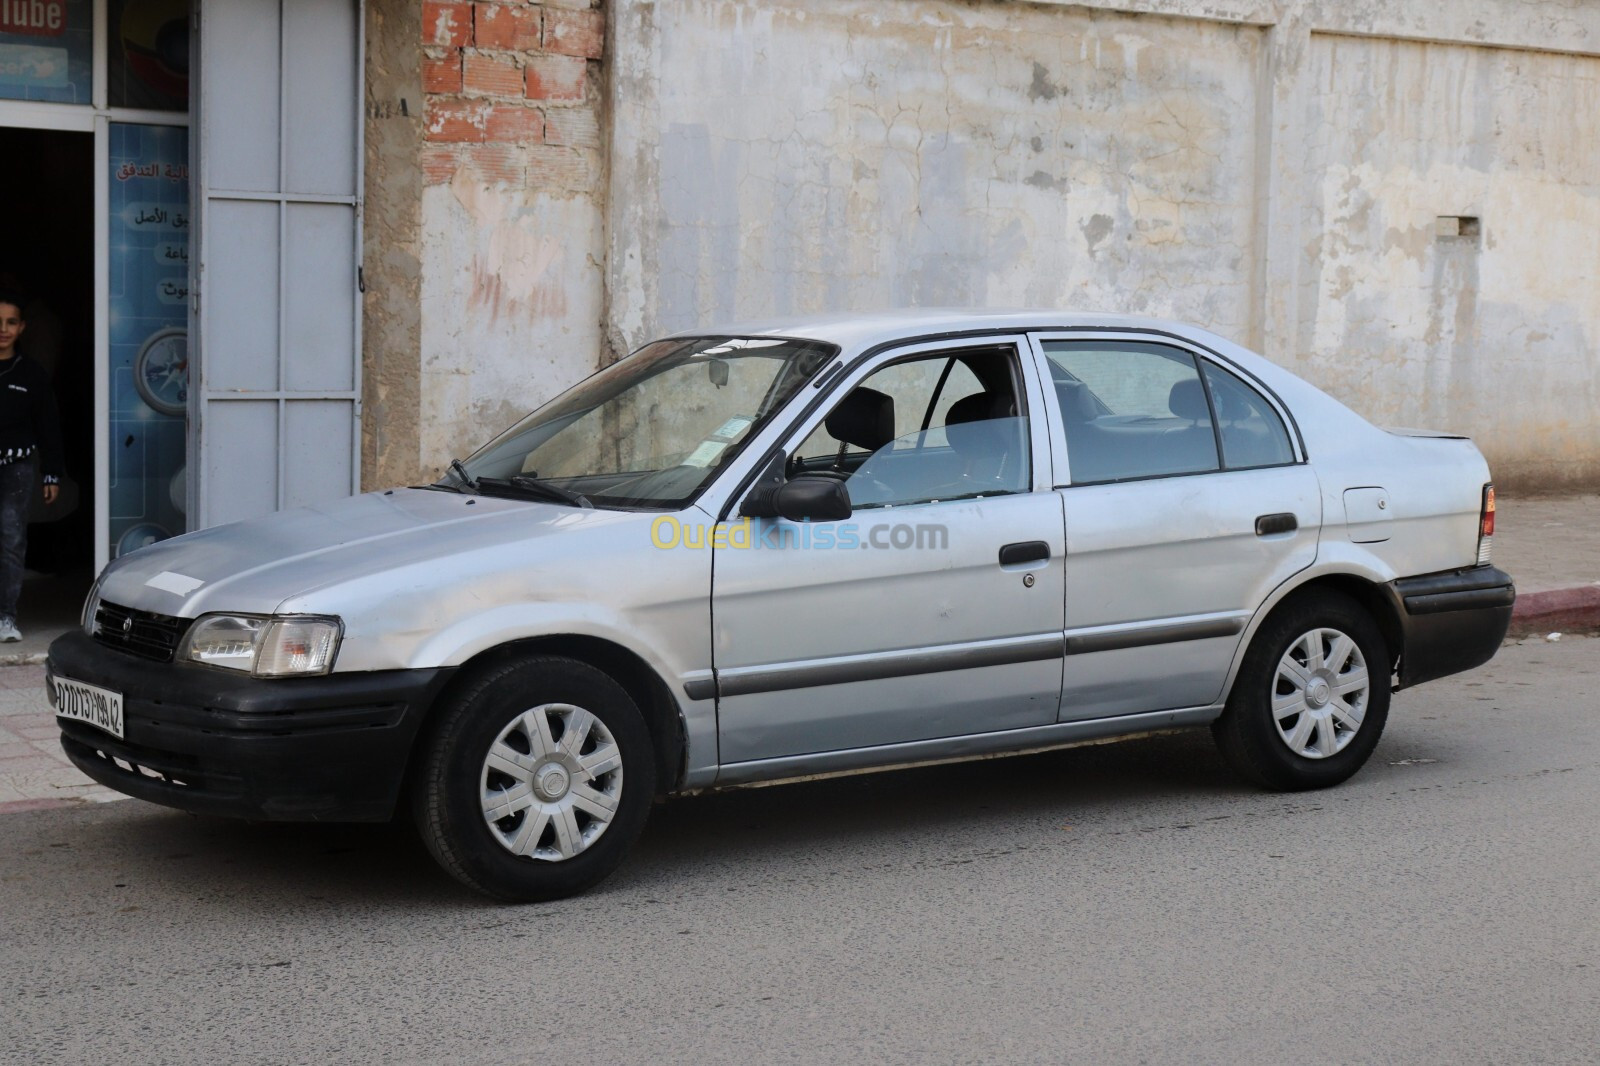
553, 857
1270, 749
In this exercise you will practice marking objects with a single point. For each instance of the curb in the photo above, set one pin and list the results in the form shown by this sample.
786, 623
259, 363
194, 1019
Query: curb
1571, 610
26, 658
51, 804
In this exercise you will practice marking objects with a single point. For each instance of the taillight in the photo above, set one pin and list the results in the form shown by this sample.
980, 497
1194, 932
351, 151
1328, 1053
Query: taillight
1486, 525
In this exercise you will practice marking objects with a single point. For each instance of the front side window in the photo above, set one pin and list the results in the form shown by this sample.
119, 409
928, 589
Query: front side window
939, 427
651, 431
1131, 410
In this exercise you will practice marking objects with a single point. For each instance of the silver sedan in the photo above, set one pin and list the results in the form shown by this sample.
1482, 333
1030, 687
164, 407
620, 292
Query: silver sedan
795, 548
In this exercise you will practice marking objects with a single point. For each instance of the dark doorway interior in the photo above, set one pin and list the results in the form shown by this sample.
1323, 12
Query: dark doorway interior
48, 186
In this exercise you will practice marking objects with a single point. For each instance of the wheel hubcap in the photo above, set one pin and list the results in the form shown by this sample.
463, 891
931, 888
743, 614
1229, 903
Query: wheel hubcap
551, 782
1320, 693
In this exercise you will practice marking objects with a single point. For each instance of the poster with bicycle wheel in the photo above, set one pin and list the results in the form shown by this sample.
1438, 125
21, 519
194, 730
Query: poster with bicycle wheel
148, 325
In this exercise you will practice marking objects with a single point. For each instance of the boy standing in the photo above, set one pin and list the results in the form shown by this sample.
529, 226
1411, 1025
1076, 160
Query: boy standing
30, 434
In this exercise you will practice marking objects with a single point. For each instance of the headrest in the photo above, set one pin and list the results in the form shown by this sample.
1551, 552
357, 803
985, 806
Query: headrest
1188, 400
864, 420
973, 426
979, 407
1077, 403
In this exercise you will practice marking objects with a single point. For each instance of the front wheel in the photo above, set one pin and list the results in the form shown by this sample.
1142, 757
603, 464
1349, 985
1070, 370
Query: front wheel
535, 780
1311, 698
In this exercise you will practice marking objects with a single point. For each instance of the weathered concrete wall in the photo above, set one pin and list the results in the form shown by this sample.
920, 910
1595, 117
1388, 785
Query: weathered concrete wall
862, 154
1494, 332
391, 318
511, 286
1273, 170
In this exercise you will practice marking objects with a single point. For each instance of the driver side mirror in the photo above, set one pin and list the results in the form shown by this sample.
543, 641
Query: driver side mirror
805, 499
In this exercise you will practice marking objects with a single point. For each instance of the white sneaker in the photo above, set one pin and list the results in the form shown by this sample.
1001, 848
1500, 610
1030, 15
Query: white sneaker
9, 633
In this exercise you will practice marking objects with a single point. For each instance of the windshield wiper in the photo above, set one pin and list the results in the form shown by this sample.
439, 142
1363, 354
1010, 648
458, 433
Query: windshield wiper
534, 486
459, 469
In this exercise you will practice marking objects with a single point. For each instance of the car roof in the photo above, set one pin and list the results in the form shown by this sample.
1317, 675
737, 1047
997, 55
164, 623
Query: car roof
865, 329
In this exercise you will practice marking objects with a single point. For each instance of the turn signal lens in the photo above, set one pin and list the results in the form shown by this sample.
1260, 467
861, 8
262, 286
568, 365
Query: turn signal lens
298, 646
91, 610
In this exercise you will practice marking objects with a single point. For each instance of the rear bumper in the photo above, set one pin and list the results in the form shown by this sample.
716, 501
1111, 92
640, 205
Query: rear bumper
331, 748
1452, 621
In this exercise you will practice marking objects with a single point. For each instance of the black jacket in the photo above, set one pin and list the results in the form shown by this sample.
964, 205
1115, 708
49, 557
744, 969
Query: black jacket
28, 419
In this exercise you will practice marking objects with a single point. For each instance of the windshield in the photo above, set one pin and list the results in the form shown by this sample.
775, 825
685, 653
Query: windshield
651, 431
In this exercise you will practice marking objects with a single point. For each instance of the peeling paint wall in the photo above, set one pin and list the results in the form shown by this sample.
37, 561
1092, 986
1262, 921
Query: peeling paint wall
857, 155
511, 306
1495, 333
1273, 170
554, 182
511, 289
392, 256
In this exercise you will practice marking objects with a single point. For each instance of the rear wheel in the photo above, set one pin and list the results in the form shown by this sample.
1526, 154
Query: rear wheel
535, 781
1311, 698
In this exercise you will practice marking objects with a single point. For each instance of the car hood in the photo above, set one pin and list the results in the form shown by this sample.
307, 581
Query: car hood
261, 565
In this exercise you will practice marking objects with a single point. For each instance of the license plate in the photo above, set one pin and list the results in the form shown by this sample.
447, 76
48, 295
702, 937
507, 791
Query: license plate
98, 707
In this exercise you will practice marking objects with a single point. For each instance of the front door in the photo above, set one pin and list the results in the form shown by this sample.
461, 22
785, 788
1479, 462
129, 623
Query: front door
936, 609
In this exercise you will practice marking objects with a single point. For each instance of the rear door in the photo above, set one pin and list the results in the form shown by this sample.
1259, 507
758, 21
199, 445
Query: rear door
1187, 500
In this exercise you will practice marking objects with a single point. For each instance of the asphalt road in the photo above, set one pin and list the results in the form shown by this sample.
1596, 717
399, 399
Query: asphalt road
1126, 903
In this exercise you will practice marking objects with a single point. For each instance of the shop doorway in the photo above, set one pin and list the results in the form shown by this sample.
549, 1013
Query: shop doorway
48, 189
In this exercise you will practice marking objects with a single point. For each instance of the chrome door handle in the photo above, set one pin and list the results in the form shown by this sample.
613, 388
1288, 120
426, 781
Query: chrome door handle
1268, 524
1025, 551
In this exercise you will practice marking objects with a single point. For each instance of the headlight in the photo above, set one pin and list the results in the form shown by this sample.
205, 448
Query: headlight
91, 607
265, 647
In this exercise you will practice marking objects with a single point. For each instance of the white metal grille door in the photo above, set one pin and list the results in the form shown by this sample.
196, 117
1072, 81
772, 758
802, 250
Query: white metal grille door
278, 325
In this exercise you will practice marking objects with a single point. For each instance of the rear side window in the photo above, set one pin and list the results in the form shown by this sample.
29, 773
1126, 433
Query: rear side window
1131, 410
1252, 433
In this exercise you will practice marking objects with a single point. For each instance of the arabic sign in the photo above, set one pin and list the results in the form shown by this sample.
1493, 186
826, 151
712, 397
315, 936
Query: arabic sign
46, 50
149, 338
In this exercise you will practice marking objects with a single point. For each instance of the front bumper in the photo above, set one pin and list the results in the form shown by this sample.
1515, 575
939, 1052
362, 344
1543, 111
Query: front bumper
1452, 621
330, 748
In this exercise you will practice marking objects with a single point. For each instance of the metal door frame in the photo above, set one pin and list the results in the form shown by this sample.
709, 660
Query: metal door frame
95, 118
201, 397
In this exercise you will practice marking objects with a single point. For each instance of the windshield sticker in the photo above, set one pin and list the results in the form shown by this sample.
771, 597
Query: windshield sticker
706, 454
732, 427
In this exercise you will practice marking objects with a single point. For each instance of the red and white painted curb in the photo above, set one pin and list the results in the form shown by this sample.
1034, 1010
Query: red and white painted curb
1571, 610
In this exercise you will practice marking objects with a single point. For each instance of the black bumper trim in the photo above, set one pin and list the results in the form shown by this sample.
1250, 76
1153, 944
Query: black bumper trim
1452, 621
1457, 590
330, 748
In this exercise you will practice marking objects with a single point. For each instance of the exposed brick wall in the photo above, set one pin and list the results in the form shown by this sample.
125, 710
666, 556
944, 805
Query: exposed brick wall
512, 91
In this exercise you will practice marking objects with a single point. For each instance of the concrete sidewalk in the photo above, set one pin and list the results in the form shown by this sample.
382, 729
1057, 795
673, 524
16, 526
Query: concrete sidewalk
1549, 545
34, 771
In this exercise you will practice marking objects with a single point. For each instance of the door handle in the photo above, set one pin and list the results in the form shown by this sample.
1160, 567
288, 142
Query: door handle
1024, 551
1268, 524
